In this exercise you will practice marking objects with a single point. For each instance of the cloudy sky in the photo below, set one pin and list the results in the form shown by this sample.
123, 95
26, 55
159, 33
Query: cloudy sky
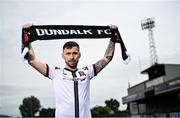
18, 80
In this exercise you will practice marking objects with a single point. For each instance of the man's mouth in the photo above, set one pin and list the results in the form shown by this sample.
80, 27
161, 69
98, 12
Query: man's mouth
72, 61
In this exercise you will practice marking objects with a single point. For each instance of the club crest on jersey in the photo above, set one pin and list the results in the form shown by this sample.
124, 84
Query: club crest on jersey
81, 73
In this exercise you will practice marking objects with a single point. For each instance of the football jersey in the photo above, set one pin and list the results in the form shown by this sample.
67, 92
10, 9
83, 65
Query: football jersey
72, 91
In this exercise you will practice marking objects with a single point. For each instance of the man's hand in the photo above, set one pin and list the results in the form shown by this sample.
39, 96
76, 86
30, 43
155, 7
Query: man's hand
26, 34
116, 37
25, 52
27, 25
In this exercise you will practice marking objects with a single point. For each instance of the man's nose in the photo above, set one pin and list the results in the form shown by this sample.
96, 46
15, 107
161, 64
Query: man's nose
72, 56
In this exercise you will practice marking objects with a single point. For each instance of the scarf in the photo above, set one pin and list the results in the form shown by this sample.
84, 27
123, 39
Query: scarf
54, 32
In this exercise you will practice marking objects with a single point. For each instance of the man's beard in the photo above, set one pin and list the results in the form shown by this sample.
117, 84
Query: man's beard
74, 66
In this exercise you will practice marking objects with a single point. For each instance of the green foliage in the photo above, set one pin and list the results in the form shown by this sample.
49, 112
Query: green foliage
112, 104
124, 113
99, 111
47, 112
30, 106
111, 109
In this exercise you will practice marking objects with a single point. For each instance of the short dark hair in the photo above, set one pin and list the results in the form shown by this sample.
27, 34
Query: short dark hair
70, 44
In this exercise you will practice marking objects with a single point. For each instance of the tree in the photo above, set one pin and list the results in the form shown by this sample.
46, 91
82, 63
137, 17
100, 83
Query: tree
47, 112
111, 109
30, 106
112, 104
99, 111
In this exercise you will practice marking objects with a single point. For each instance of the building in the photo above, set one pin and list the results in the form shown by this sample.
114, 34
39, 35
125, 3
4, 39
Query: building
159, 95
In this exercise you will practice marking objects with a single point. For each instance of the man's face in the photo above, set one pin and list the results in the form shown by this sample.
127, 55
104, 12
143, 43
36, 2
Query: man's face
71, 57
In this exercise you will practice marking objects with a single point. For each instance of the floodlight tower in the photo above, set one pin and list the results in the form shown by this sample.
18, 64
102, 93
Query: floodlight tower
149, 23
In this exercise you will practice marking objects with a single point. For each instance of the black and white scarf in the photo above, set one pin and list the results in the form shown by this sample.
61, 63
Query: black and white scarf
54, 32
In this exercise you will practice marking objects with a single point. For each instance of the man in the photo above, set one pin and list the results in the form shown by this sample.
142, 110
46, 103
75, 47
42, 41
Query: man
72, 84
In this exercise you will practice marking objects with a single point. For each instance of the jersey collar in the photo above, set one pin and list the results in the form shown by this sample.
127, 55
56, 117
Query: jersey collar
73, 71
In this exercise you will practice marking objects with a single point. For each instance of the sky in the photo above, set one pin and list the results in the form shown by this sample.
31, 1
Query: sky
19, 80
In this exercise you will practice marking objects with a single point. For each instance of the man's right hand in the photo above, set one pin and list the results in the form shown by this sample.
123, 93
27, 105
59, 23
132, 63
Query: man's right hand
26, 34
25, 52
27, 25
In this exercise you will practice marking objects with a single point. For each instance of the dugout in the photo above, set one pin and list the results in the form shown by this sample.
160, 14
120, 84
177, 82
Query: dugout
159, 95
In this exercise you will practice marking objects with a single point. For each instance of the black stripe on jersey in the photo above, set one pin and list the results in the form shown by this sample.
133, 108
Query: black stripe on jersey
76, 96
94, 68
47, 70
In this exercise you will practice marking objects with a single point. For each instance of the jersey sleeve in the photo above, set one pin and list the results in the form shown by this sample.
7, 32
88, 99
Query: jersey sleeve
51, 72
91, 71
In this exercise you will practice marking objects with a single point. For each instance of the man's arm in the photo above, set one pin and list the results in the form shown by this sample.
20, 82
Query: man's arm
108, 54
38, 65
107, 57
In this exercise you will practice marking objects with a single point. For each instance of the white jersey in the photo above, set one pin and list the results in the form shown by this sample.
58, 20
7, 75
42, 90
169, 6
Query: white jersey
72, 91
